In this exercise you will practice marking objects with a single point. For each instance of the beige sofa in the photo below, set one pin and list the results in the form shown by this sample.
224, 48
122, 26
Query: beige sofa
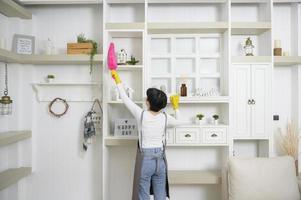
260, 179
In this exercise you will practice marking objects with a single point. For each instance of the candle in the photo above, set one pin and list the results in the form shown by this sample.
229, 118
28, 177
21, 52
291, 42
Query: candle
277, 44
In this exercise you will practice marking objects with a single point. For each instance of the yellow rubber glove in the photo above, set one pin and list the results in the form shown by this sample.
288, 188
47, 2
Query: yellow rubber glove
175, 101
115, 76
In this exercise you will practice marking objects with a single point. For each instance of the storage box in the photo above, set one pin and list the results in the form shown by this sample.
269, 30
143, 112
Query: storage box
79, 51
79, 48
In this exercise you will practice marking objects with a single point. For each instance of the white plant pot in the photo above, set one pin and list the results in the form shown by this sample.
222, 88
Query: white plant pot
199, 122
215, 122
49, 80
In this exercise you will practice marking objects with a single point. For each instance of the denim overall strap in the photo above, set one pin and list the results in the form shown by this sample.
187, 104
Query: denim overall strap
140, 132
165, 132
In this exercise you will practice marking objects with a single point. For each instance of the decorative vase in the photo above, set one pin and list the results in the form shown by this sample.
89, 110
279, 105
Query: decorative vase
215, 121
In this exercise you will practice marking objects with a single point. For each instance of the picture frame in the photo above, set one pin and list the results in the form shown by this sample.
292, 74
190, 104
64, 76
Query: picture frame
23, 44
125, 127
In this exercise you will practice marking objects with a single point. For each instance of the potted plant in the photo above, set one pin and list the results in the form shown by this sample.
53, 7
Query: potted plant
215, 119
199, 119
50, 78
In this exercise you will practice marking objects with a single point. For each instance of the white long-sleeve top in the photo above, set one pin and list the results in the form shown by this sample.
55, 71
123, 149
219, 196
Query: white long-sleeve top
153, 126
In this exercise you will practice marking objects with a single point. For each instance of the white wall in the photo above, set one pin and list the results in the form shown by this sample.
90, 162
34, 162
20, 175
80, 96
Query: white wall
61, 169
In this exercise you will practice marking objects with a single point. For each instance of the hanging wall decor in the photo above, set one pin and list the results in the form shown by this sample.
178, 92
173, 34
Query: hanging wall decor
6, 102
93, 121
55, 101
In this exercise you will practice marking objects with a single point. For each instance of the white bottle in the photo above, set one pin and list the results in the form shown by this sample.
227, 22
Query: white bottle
49, 47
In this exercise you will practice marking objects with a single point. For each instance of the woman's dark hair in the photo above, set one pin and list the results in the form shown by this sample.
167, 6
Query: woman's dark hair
157, 99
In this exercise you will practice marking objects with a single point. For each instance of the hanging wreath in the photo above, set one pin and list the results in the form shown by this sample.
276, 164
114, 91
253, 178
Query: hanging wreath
58, 100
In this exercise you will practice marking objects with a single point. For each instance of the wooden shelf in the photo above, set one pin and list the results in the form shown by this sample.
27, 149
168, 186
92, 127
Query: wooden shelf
250, 1
7, 56
12, 176
124, 26
185, 27
129, 67
251, 59
59, 2
10, 57
10, 8
187, 1
124, 1
11, 137
121, 102
59, 59
120, 141
194, 177
250, 28
287, 60
212, 99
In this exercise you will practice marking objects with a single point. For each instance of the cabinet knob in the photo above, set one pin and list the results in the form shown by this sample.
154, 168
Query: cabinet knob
213, 135
249, 102
253, 101
187, 135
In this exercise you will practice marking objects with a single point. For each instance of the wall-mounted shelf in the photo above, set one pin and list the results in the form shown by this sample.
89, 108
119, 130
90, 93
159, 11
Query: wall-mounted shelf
209, 99
12, 176
192, 27
59, 59
251, 59
186, 1
194, 177
59, 2
129, 67
125, 26
71, 92
121, 102
11, 137
287, 60
124, 1
10, 57
10, 8
249, 1
250, 28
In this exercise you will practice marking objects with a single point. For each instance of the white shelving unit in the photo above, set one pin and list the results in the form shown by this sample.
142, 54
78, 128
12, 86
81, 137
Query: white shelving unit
287, 60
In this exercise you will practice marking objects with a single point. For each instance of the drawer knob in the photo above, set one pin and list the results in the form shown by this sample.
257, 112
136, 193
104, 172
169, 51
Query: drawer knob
213, 135
187, 135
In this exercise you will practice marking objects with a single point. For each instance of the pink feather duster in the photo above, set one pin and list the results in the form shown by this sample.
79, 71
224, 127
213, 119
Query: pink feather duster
112, 63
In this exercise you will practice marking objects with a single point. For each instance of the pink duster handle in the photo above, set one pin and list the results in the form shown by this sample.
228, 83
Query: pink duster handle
112, 64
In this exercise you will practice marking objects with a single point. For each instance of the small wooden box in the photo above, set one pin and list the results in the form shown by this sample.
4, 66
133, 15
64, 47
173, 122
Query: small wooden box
79, 51
79, 46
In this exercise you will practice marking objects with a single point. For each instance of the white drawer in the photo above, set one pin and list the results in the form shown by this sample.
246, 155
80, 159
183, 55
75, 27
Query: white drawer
214, 135
170, 136
187, 135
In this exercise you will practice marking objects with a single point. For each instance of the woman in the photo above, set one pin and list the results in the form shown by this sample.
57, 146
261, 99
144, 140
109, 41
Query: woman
151, 166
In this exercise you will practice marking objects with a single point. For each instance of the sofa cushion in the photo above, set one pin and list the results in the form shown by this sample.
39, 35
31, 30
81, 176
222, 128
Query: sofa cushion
263, 179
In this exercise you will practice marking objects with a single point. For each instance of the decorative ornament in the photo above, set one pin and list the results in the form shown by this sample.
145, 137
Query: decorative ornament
93, 120
121, 57
6, 102
58, 114
133, 61
249, 47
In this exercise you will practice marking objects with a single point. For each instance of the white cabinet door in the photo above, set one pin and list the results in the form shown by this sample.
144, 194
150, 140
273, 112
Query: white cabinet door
260, 95
242, 109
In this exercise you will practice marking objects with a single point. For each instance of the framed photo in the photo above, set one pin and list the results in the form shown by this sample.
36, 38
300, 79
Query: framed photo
23, 44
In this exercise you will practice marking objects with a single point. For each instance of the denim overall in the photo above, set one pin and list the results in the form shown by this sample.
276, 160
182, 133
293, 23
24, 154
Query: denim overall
147, 157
